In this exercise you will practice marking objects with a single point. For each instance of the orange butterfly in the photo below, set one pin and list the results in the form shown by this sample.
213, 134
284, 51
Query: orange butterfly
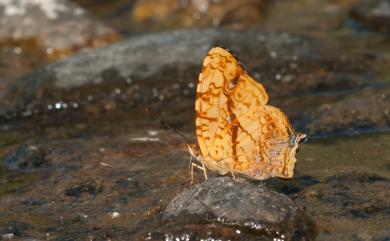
237, 131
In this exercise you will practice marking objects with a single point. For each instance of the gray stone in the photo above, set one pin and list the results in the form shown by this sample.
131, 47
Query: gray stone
50, 22
245, 205
171, 58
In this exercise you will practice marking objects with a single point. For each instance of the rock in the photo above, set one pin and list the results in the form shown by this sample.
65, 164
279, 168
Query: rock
131, 73
27, 158
350, 194
154, 14
90, 178
34, 33
88, 186
49, 23
15, 229
245, 206
374, 14
367, 111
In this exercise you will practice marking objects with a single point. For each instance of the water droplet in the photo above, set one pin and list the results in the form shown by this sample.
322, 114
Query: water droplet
293, 65
115, 214
154, 92
152, 133
288, 78
49, 51
18, 50
273, 54
7, 236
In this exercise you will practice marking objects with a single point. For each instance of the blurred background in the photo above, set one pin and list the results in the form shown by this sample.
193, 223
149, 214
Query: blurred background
75, 77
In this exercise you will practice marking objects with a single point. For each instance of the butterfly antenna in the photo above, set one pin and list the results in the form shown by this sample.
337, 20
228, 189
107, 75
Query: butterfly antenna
163, 123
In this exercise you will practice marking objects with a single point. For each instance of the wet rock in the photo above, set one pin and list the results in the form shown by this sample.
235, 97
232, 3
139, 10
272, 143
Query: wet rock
242, 205
364, 112
49, 23
374, 14
152, 14
88, 186
130, 73
27, 158
15, 229
357, 194
90, 181
34, 33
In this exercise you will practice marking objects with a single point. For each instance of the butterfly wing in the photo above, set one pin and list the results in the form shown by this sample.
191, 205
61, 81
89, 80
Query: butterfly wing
265, 146
236, 130
222, 78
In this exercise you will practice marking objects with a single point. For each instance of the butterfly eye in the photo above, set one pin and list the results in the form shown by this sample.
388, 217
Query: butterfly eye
291, 140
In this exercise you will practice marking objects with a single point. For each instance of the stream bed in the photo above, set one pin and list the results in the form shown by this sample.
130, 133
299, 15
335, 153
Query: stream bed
82, 160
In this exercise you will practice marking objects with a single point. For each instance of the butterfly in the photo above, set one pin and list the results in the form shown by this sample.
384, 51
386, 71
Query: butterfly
236, 130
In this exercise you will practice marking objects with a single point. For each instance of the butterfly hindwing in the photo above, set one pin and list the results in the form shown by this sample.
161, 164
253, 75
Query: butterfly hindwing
236, 130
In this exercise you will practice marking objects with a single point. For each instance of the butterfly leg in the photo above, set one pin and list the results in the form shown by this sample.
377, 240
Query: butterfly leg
204, 170
233, 171
200, 167
233, 175
192, 171
189, 166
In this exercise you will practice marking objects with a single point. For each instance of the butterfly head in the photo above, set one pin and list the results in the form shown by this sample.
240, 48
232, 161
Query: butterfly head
296, 138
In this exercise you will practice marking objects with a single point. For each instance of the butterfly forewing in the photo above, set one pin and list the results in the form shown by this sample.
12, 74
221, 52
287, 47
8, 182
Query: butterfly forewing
235, 129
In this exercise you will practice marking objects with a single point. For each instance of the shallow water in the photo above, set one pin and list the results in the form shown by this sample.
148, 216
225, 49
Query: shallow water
106, 170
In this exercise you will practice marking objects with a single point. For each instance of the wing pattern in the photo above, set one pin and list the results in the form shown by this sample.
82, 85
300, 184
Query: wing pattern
236, 130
